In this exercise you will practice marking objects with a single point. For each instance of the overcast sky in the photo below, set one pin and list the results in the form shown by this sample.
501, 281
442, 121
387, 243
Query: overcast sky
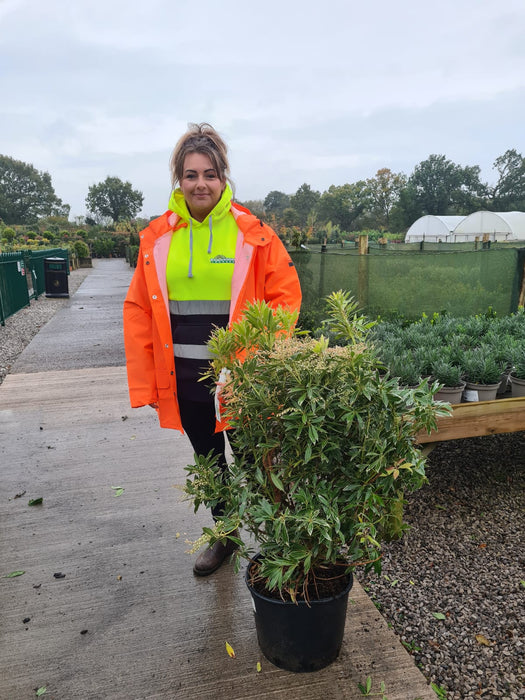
302, 90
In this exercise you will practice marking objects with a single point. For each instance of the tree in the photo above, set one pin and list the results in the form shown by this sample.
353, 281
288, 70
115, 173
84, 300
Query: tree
276, 202
509, 192
26, 193
289, 217
256, 206
343, 204
440, 187
114, 199
384, 191
304, 201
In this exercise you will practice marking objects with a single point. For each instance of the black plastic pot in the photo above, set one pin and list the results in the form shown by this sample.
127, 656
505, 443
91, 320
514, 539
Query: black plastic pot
300, 637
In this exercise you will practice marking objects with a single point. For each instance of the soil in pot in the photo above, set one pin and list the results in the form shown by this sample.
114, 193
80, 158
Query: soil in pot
303, 636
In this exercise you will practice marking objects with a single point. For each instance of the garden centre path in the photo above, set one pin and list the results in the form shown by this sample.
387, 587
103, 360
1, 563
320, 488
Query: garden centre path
126, 618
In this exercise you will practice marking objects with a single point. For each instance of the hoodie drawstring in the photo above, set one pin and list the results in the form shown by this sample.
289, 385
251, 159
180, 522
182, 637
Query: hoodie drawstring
190, 268
211, 238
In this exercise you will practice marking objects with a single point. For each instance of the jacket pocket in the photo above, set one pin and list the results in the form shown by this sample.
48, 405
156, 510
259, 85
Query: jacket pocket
163, 378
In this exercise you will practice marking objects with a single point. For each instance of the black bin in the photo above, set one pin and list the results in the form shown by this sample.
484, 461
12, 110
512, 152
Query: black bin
55, 275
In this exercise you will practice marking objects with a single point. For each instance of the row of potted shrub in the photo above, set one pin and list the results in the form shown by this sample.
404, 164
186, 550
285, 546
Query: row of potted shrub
476, 350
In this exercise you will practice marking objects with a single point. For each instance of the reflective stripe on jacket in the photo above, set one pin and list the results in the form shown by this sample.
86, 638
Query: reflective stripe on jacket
263, 270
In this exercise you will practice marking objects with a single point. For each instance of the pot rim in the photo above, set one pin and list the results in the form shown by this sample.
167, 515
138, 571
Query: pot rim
477, 384
308, 603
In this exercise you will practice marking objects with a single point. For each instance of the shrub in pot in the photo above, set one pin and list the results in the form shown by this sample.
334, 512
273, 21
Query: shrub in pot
323, 445
406, 368
503, 346
426, 357
450, 378
517, 373
482, 374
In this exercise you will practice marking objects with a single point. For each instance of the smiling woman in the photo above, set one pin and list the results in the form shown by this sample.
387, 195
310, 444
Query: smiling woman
179, 293
200, 185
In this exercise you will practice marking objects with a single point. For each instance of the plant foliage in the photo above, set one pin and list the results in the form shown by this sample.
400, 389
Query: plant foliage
323, 443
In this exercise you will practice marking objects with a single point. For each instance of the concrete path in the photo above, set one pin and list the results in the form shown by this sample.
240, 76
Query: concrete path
108, 606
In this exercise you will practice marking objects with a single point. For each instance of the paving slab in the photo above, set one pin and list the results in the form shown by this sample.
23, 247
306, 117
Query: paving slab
87, 330
126, 618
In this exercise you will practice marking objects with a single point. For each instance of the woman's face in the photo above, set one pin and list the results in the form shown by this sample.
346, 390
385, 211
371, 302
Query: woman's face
201, 185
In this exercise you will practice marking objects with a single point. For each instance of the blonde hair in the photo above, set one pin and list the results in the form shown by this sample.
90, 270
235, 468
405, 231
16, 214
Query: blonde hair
200, 138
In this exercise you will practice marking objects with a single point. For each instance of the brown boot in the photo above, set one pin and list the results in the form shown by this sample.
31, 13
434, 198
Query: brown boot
210, 560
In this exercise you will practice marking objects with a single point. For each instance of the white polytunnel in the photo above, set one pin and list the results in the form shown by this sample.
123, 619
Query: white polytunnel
433, 229
499, 226
494, 225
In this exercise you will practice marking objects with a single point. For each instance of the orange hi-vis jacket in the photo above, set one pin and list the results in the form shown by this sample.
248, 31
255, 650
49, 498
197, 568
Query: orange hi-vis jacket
263, 271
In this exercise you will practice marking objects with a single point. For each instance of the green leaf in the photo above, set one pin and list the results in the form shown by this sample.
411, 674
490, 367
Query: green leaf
119, 490
439, 691
312, 433
35, 501
13, 574
41, 691
439, 616
308, 453
277, 481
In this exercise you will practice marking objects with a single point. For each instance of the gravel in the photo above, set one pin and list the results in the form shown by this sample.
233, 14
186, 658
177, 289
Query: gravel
463, 558
453, 589
20, 328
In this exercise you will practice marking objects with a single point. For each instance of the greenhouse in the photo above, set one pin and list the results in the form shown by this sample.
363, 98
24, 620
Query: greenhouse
498, 226
433, 229
484, 225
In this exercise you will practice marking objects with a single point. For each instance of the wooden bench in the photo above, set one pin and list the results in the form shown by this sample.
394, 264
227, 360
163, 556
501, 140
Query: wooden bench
477, 419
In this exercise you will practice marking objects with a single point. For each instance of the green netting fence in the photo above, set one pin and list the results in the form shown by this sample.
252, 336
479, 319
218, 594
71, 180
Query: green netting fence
386, 283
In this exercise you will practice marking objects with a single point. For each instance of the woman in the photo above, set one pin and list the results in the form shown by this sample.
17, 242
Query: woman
198, 266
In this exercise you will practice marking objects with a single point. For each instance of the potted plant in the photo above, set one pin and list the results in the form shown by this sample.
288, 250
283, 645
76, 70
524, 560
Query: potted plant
517, 373
482, 374
324, 445
450, 378
406, 368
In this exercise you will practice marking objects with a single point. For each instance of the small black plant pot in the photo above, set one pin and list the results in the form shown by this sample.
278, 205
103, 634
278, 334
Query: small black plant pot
300, 637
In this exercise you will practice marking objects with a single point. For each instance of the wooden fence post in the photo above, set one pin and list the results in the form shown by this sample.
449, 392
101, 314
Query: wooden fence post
362, 278
521, 300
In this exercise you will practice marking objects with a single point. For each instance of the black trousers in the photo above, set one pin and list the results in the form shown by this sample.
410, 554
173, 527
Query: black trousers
198, 421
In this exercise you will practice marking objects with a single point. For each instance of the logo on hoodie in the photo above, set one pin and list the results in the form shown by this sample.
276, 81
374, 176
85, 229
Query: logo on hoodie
222, 259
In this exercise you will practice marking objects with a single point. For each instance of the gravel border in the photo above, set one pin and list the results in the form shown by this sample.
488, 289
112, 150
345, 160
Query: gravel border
20, 328
463, 557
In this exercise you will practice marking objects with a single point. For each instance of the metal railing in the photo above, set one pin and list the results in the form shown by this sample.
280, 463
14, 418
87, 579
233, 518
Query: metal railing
22, 278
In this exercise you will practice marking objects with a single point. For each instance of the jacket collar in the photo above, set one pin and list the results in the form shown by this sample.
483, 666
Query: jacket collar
255, 232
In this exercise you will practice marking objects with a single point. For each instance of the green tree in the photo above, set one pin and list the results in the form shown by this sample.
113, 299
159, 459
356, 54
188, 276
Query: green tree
304, 201
26, 193
114, 199
289, 217
256, 206
440, 187
509, 192
276, 202
342, 205
384, 191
